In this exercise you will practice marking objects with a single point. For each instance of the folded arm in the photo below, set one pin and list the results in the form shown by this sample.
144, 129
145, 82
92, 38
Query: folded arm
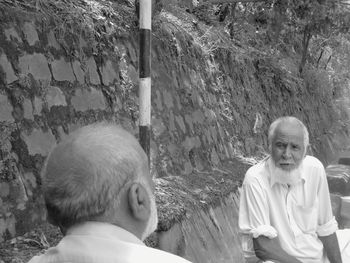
327, 225
270, 249
331, 246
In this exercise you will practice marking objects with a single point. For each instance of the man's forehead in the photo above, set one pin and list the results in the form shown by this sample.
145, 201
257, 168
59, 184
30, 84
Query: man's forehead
289, 131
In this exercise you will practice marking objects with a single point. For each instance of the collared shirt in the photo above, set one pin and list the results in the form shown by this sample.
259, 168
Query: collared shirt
297, 214
94, 242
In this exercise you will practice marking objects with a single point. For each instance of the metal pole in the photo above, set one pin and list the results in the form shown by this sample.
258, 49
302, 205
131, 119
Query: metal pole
145, 75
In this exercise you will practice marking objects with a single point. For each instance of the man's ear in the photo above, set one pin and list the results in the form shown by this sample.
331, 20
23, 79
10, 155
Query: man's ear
139, 203
308, 150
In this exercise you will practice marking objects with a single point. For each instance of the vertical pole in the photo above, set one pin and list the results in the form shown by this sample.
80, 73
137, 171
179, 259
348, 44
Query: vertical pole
145, 75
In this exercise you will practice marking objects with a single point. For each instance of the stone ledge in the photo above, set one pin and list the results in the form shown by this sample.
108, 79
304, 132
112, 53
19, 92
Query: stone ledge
338, 177
178, 196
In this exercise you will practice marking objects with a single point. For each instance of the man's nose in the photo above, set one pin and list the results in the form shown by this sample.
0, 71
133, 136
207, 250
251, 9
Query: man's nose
287, 152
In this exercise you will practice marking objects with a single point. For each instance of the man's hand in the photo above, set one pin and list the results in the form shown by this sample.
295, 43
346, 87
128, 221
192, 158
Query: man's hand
268, 249
331, 245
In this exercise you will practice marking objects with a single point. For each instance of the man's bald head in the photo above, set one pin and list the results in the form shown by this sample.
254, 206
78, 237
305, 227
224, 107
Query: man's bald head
84, 174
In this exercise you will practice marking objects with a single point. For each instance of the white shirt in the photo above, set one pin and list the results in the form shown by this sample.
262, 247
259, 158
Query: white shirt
94, 242
297, 214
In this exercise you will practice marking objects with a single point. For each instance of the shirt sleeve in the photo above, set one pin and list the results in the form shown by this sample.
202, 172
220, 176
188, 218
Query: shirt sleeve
326, 224
254, 219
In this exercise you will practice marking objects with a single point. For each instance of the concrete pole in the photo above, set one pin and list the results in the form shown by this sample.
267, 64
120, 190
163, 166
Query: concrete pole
145, 75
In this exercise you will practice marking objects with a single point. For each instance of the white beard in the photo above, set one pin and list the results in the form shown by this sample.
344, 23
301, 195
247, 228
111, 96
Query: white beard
285, 177
152, 222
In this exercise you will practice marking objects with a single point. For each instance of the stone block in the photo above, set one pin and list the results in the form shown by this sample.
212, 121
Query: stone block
28, 109
5, 109
188, 168
30, 33
338, 176
52, 42
172, 121
198, 163
4, 189
8, 70
109, 74
198, 117
11, 34
210, 115
82, 42
39, 142
174, 152
345, 211
158, 101
208, 136
227, 153
189, 121
178, 102
79, 73
55, 97
158, 127
62, 70
214, 157
221, 131
92, 70
189, 143
180, 122
168, 99
35, 64
38, 105
214, 133
88, 99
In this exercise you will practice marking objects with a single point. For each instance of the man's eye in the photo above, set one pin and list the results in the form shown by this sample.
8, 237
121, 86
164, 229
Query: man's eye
295, 147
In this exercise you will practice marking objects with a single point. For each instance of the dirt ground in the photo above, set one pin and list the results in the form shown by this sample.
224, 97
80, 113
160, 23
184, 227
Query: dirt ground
22, 248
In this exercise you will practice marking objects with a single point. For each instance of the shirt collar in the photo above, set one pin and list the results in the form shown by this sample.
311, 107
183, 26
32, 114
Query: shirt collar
272, 176
105, 230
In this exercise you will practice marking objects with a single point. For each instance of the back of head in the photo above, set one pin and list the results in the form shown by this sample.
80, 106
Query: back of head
84, 174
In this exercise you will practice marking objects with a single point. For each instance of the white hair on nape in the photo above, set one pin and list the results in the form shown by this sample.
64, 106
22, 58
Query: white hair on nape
290, 119
84, 175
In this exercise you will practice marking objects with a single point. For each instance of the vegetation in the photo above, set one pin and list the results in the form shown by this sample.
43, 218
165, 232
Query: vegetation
313, 34
282, 23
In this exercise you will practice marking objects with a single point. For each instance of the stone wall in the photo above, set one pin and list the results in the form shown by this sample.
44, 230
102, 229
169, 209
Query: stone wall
209, 235
60, 72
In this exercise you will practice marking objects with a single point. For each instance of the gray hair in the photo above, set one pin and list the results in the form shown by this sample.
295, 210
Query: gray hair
84, 174
277, 122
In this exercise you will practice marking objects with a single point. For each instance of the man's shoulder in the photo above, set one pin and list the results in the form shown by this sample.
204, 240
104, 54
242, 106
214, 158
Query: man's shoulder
312, 162
256, 172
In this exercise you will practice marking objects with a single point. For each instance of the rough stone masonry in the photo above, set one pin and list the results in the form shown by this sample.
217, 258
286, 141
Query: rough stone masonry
68, 64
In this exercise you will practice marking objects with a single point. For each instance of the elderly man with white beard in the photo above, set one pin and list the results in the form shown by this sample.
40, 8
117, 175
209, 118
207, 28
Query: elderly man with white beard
285, 210
98, 189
